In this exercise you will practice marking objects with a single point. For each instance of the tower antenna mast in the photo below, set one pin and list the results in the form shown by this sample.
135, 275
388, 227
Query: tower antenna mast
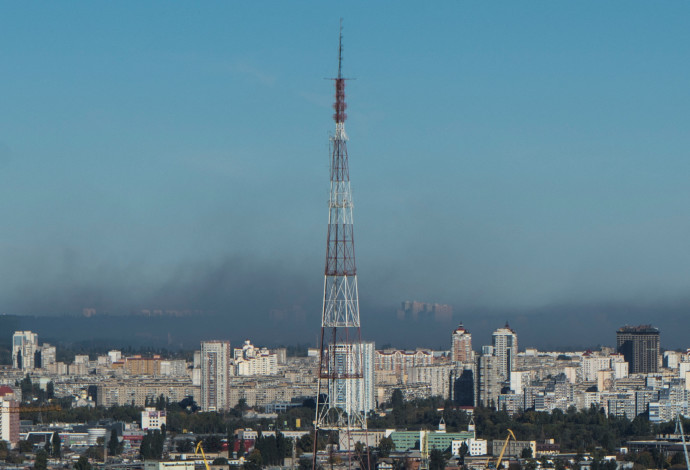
345, 369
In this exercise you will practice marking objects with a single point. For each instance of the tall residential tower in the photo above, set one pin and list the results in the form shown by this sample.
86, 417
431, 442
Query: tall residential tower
505, 349
215, 364
461, 347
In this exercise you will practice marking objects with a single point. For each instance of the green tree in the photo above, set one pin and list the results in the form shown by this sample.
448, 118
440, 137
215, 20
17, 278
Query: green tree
305, 443
231, 444
212, 443
397, 400
25, 446
242, 405
645, 459
304, 464
185, 446
56, 445
41, 461
95, 452
678, 459
82, 463
114, 444
437, 461
254, 461
4, 450
152, 446
26, 388
463, 452
526, 453
219, 461
386, 446
14, 458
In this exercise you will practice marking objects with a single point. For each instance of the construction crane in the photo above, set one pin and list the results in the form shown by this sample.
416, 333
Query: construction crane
203, 455
503, 449
679, 427
35, 409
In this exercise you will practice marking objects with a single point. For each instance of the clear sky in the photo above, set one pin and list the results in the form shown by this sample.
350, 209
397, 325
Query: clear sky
504, 155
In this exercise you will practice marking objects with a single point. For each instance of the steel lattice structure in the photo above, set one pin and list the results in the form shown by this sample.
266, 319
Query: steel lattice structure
340, 397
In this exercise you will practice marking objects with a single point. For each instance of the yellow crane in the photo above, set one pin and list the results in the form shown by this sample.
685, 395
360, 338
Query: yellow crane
35, 409
203, 455
503, 449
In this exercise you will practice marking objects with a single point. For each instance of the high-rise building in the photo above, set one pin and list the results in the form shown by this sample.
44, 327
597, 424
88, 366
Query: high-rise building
462, 384
639, 345
215, 364
9, 416
488, 380
436, 376
48, 355
352, 395
461, 347
24, 350
505, 344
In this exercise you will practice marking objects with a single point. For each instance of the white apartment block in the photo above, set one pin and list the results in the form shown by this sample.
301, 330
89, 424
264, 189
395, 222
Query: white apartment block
353, 394
250, 360
475, 447
48, 355
174, 368
24, 348
592, 364
437, 376
259, 365
399, 362
518, 380
138, 391
505, 344
114, 355
9, 416
152, 418
215, 373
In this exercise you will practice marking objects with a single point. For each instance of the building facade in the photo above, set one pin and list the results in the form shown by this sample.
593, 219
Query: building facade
152, 418
461, 345
505, 345
346, 393
24, 350
215, 372
488, 380
639, 345
9, 416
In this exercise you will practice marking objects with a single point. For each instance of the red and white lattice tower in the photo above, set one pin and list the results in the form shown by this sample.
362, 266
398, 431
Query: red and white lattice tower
341, 403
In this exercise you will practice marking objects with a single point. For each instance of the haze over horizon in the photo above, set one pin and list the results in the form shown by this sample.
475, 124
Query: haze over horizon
516, 161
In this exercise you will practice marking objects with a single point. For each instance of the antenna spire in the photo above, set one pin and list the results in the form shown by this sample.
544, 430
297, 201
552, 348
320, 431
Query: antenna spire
340, 105
340, 50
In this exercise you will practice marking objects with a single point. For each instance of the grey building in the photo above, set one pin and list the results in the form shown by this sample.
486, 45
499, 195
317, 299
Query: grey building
640, 347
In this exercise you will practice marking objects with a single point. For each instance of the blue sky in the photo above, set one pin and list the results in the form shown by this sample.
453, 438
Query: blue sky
504, 155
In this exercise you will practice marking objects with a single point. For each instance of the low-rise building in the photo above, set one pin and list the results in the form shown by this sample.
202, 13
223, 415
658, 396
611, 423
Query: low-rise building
152, 418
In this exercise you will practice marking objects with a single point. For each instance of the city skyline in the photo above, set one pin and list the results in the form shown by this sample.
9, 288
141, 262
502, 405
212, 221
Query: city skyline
515, 160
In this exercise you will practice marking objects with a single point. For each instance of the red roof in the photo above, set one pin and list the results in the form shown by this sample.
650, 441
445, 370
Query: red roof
5, 390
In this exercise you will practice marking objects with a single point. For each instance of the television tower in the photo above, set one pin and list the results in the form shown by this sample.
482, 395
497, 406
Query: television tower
340, 404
